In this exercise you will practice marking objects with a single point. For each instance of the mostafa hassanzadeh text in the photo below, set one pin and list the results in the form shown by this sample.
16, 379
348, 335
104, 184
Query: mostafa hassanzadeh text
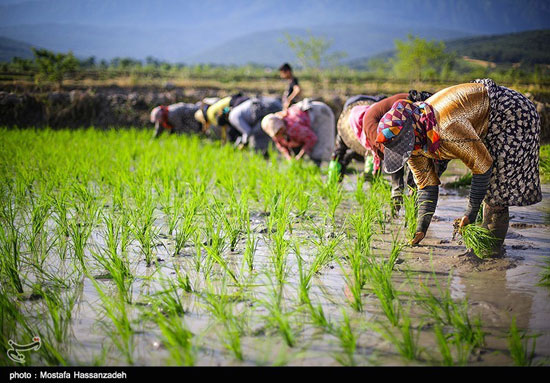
67, 375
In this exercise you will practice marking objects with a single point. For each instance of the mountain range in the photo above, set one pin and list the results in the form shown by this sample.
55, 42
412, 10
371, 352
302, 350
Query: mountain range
243, 31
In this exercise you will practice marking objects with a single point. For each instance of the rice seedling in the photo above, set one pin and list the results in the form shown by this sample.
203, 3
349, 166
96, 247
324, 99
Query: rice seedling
356, 278
443, 345
10, 248
379, 197
15, 324
449, 342
348, 341
467, 334
168, 300
59, 312
518, 345
121, 333
278, 318
302, 203
197, 258
279, 245
143, 228
233, 325
360, 195
215, 246
379, 274
403, 336
178, 339
183, 280
79, 234
316, 312
250, 248
304, 281
544, 279
478, 239
184, 226
168, 202
358, 254
332, 192
230, 220
326, 253
40, 212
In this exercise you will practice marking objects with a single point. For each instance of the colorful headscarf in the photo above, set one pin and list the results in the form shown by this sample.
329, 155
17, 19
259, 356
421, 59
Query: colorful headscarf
423, 121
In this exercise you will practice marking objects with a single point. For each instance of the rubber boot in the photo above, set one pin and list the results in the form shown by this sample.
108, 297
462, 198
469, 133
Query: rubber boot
496, 219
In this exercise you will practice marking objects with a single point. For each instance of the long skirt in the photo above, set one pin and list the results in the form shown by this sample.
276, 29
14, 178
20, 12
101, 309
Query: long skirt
513, 139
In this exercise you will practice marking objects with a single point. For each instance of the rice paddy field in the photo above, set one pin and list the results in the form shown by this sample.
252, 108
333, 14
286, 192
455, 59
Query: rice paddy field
119, 250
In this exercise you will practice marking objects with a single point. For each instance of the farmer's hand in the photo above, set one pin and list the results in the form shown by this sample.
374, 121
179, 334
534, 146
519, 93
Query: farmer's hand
464, 221
419, 236
300, 154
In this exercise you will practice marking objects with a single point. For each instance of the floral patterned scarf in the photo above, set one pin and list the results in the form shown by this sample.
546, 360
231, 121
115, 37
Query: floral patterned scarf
423, 119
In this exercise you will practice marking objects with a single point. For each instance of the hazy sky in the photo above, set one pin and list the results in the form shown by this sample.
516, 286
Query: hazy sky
203, 30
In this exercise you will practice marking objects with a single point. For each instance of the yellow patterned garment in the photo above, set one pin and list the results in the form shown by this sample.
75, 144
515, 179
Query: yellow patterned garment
216, 109
462, 114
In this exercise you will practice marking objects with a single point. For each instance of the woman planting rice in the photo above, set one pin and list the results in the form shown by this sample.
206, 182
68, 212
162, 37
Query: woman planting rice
492, 129
247, 118
357, 131
216, 114
176, 118
350, 142
306, 127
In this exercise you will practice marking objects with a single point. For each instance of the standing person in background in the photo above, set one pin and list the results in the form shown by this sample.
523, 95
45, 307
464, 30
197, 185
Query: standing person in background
175, 118
293, 89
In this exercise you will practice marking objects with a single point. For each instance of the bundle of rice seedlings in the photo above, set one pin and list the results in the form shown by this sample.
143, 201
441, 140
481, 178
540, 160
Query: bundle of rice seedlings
478, 239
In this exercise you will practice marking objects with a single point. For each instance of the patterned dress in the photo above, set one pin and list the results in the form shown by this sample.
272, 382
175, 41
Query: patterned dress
513, 139
485, 125
298, 132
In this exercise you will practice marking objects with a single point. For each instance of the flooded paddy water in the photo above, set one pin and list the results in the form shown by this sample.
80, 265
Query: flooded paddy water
295, 289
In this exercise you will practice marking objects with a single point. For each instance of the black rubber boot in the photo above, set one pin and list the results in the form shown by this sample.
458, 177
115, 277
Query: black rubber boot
496, 219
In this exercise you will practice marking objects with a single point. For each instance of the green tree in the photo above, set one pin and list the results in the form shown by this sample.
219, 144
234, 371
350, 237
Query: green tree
312, 52
379, 67
54, 66
21, 65
416, 58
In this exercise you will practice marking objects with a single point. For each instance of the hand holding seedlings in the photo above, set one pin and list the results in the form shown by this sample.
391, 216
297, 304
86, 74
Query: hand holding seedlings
476, 238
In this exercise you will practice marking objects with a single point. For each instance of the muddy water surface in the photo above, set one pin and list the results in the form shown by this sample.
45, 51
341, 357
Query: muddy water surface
497, 290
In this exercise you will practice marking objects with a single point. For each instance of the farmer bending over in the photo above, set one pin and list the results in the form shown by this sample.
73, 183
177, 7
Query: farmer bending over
216, 114
494, 130
247, 117
176, 118
305, 128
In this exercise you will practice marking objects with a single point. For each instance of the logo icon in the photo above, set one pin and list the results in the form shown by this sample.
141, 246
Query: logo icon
15, 349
